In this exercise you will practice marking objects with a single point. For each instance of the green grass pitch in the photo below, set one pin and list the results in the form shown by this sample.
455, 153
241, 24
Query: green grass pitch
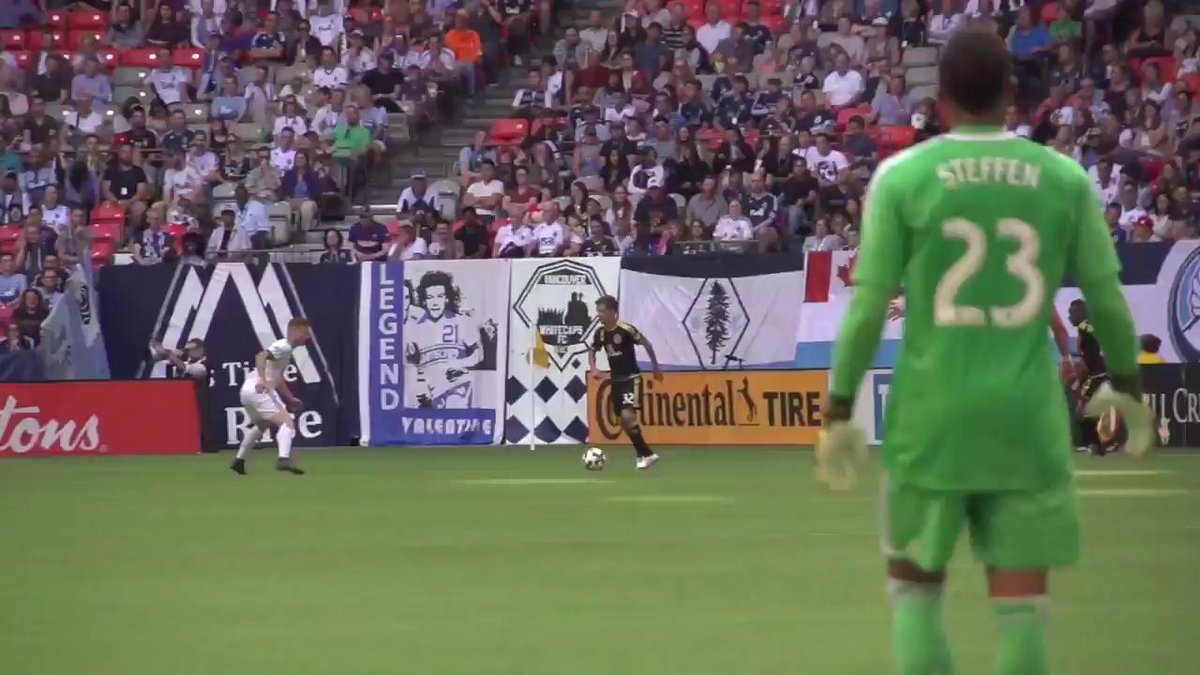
506, 562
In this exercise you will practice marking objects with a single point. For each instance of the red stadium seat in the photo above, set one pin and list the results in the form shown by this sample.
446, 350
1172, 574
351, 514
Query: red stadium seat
110, 57
139, 58
696, 21
771, 7
76, 38
393, 228
730, 8
376, 14
710, 138
87, 18
845, 114
893, 139
23, 59
8, 238
360, 15
176, 233
6, 313
12, 39
57, 18
103, 251
1193, 84
188, 57
508, 132
776, 22
35, 40
106, 213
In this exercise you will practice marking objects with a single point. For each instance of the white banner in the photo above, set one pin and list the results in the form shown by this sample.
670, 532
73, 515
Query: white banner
715, 323
436, 333
556, 299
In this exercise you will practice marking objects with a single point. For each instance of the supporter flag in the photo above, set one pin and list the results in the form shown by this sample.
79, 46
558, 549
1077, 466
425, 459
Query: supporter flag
72, 342
729, 312
538, 354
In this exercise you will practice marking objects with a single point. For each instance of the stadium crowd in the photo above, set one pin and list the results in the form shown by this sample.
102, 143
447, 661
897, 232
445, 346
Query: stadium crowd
192, 130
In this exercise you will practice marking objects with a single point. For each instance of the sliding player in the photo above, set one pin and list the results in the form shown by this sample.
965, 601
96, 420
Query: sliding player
264, 395
979, 226
617, 339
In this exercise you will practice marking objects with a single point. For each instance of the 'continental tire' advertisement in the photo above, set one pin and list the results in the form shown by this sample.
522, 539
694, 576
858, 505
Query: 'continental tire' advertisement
738, 407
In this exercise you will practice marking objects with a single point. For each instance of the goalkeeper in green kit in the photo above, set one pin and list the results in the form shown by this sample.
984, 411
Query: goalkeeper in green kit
979, 227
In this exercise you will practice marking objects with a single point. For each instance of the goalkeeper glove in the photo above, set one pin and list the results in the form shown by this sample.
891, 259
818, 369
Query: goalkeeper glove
1138, 420
841, 447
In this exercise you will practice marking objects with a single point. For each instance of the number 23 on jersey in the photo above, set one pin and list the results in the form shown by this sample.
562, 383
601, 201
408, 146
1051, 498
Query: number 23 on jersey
1021, 264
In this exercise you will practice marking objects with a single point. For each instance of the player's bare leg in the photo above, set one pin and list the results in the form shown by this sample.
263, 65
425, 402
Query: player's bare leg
633, 428
286, 433
1020, 601
919, 640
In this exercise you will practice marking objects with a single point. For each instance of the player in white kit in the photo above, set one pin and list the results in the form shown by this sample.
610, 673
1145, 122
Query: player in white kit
268, 401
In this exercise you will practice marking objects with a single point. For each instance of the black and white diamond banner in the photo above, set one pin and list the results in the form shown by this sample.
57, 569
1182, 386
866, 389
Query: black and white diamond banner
554, 299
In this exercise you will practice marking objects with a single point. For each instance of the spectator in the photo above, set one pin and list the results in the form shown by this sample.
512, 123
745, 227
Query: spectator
655, 209
443, 245
1131, 210
181, 180
12, 284
1028, 39
165, 29
53, 85
14, 200
29, 315
55, 215
350, 143
300, 187
124, 32
761, 208
368, 237
485, 194
708, 206
92, 82
714, 30
334, 252
326, 24
385, 84
417, 198
598, 242
152, 245
250, 217
596, 34
944, 25
733, 226
14, 342
408, 246
126, 185
472, 235
263, 182
843, 86
227, 238
203, 159
169, 82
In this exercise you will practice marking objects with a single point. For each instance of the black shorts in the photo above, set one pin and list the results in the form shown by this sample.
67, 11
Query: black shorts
626, 394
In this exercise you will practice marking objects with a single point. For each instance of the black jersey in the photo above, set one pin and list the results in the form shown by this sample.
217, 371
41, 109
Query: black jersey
618, 344
1089, 349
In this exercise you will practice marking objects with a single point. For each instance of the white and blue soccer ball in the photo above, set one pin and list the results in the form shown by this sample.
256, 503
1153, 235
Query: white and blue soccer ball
594, 459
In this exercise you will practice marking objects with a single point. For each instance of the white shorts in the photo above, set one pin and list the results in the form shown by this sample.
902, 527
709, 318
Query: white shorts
261, 407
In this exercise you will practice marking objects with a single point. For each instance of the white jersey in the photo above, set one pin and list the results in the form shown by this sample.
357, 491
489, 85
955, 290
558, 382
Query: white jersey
281, 358
439, 346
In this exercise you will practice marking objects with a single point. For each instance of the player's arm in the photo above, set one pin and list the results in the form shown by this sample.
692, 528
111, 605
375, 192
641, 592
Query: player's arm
877, 276
640, 338
593, 347
260, 366
1063, 341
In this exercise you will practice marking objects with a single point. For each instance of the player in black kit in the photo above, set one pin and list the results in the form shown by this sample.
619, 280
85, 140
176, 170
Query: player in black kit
617, 339
1095, 373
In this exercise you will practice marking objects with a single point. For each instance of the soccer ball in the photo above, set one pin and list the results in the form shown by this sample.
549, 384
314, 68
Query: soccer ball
594, 459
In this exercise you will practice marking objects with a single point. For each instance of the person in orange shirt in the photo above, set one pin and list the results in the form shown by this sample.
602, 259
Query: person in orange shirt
468, 49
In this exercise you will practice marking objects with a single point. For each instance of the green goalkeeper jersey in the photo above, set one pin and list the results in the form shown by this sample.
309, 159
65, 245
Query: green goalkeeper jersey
980, 228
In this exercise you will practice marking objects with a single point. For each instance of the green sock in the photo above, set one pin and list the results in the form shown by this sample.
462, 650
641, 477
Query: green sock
918, 638
1022, 636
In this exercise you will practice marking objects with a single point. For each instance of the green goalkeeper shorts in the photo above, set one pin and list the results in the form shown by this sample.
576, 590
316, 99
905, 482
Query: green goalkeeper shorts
1015, 530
